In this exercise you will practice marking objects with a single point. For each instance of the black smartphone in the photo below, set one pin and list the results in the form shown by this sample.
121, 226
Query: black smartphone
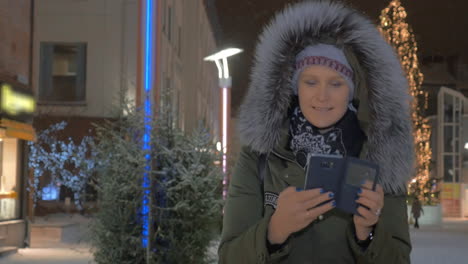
324, 171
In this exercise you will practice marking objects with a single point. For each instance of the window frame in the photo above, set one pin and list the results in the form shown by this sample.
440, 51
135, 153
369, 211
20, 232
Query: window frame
48, 62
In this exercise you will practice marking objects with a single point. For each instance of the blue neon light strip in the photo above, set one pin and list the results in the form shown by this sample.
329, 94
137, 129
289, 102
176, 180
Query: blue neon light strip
148, 71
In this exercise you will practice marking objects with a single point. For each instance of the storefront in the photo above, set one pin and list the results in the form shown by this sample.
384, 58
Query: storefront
452, 147
17, 106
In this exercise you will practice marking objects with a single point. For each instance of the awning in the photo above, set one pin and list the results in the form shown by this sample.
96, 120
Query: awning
13, 129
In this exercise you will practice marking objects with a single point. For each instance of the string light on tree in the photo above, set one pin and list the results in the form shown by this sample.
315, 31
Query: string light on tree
400, 35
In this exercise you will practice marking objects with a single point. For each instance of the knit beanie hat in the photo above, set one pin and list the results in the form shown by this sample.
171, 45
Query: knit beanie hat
324, 55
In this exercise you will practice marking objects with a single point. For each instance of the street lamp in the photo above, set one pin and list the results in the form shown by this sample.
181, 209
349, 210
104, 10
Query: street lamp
225, 81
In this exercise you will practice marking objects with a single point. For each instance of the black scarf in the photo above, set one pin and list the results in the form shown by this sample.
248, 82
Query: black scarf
345, 138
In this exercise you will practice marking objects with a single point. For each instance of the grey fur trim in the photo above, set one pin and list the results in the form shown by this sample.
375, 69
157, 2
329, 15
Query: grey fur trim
265, 107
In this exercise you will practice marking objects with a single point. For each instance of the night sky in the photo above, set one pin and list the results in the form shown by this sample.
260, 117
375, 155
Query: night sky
440, 28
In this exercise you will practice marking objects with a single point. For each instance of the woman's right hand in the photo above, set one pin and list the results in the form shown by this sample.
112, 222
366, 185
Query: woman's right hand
296, 210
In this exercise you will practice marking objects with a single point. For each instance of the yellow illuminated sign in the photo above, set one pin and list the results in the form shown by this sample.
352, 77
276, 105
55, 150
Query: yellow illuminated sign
14, 103
451, 191
8, 195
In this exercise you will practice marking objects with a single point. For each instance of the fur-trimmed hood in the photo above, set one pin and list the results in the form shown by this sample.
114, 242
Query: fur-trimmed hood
265, 108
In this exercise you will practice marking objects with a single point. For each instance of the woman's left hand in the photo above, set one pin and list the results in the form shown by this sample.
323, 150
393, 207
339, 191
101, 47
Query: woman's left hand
367, 218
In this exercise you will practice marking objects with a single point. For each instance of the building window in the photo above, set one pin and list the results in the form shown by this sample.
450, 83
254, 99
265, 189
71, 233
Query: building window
166, 93
9, 182
164, 16
179, 39
169, 24
62, 73
177, 110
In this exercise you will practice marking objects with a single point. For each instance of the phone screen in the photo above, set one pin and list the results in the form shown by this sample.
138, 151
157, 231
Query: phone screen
358, 172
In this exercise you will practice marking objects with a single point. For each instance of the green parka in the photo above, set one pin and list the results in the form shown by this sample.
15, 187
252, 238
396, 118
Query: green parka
263, 126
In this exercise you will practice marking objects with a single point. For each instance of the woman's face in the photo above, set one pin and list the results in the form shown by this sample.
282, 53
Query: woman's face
323, 95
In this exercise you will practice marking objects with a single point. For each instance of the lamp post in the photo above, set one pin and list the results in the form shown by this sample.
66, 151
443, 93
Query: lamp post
225, 81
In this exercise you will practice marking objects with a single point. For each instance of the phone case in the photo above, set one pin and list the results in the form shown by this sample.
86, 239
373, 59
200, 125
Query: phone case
341, 175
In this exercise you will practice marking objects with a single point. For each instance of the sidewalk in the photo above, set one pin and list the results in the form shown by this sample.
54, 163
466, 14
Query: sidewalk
446, 244
50, 256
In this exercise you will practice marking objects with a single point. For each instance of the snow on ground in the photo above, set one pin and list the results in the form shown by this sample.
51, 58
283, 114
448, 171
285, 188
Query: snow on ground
50, 256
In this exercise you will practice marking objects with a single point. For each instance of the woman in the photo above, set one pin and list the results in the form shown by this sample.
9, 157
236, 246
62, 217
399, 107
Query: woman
324, 81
